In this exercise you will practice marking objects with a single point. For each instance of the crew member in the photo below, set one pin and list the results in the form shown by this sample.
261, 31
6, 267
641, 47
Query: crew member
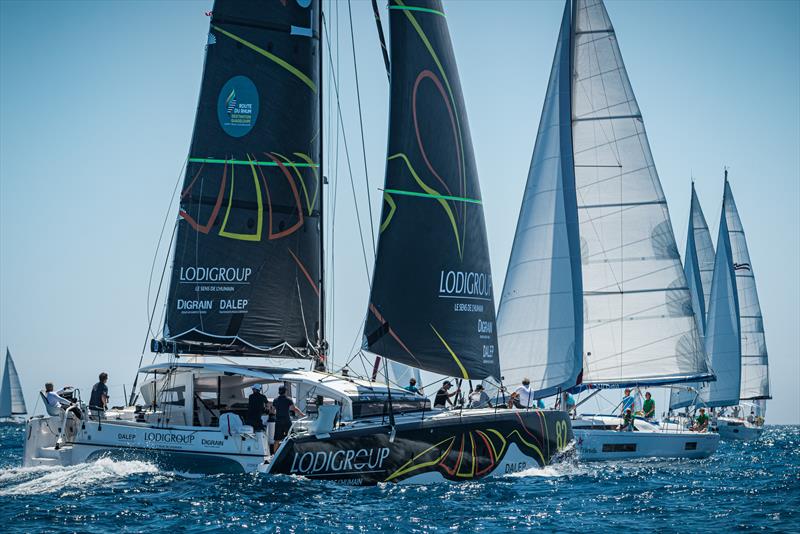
627, 421
55, 399
284, 406
442, 398
701, 425
257, 405
412, 386
524, 397
98, 402
479, 398
649, 406
627, 401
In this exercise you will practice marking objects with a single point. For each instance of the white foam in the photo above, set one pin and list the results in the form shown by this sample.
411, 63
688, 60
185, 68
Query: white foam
51, 479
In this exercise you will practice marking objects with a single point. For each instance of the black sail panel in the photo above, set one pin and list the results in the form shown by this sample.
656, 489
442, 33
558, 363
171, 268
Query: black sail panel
431, 304
246, 265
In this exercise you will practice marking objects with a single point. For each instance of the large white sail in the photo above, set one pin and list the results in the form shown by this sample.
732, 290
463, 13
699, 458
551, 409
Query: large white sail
539, 323
755, 367
12, 401
698, 266
638, 322
722, 332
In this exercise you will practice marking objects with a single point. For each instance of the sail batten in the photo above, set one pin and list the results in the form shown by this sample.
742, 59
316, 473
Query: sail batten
431, 301
246, 270
12, 401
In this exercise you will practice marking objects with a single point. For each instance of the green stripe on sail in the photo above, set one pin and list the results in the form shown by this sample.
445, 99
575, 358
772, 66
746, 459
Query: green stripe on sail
428, 195
259, 163
421, 9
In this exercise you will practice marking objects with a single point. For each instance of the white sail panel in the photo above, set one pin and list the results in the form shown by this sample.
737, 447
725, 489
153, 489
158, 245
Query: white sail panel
12, 402
539, 321
755, 366
698, 266
638, 320
722, 333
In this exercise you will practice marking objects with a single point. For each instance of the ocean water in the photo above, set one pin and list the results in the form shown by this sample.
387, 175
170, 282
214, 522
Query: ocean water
745, 486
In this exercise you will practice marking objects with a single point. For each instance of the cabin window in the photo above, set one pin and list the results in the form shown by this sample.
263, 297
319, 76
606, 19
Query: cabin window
619, 447
372, 408
690, 446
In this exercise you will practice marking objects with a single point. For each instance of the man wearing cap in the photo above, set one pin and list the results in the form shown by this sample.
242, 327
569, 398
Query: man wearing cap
257, 405
442, 396
479, 398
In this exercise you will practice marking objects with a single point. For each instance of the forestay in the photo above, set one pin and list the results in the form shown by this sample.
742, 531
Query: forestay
698, 266
246, 271
722, 334
539, 323
638, 320
431, 304
12, 402
755, 366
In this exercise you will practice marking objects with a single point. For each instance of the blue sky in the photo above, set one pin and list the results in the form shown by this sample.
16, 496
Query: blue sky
97, 104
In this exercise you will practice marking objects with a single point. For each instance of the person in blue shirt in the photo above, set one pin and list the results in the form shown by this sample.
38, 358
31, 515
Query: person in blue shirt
412, 386
540, 404
627, 401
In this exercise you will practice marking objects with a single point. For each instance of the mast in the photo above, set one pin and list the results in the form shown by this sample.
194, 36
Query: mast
322, 344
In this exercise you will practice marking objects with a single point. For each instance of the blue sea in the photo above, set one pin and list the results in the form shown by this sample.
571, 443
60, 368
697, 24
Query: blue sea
745, 486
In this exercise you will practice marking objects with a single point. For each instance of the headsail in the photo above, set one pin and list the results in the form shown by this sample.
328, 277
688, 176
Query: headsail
12, 402
431, 304
638, 320
698, 266
540, 320
246, 271
722, 334
755, 366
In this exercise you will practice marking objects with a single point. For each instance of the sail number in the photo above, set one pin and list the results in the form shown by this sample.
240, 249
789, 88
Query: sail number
561, 435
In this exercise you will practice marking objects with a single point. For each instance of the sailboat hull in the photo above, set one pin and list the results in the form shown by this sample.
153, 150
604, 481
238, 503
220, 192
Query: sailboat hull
732, 429
597, 439
433, 447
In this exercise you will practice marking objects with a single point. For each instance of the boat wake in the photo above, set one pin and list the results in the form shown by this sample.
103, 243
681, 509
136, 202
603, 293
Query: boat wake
41, 480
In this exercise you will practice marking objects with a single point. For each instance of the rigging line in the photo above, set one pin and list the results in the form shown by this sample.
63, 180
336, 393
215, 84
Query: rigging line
361, 125
349, 167
381, 37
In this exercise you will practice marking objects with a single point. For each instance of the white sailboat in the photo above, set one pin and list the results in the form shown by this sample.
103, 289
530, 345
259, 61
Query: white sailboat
595, 294
744, 419
12, 402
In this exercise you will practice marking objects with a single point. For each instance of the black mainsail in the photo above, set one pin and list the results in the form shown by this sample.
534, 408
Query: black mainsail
431, 303
246, 274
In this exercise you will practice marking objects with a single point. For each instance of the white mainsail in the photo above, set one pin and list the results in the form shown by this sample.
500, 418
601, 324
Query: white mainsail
539, 322
698, 266
635, 323
638, 322
722, 332
12, 401
755, 365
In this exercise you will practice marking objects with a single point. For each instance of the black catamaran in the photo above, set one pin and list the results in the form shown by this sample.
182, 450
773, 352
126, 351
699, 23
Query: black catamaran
247, 276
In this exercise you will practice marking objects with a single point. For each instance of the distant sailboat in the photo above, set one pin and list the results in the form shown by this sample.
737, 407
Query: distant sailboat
12, 402
754, 389
698, 266
595, 294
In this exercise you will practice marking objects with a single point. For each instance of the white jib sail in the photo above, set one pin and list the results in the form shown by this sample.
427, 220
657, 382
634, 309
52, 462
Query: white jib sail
12, 401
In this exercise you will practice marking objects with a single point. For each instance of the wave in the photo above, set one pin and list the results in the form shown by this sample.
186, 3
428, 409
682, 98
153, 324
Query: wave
40, 480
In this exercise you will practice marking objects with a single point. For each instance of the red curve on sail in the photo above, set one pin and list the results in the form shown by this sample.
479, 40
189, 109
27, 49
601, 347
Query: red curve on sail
380, 318
205, 228
296, 194
305, 272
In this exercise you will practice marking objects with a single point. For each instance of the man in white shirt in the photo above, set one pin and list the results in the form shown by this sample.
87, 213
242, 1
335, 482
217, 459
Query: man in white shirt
55, 399
524, 395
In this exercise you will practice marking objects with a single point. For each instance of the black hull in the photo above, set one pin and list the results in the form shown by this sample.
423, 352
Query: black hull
459, 448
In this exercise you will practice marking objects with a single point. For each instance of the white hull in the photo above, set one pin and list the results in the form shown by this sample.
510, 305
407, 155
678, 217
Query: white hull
596, 440
189, 449
730, 429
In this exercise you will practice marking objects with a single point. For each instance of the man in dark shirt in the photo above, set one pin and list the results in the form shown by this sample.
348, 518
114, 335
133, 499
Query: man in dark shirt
283, 407
442, 396
98, 402
257, 405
